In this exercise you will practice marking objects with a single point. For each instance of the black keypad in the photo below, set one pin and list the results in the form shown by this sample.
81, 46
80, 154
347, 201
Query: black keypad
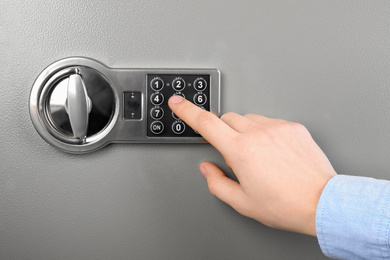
162, 122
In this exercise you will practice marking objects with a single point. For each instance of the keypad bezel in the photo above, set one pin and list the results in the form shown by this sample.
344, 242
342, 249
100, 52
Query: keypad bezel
168, 90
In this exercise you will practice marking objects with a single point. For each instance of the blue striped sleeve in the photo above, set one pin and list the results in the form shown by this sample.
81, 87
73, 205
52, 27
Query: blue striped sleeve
353, 218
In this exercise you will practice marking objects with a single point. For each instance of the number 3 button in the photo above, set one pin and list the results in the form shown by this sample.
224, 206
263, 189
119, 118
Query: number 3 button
200, 84
200, 99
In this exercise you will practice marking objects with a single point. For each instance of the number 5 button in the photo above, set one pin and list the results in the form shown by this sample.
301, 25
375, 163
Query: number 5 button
200, 99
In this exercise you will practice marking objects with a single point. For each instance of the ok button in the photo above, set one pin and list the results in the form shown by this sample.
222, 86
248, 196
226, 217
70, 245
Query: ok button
157, 127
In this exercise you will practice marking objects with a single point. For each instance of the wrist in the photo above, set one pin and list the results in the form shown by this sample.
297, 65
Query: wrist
310, 228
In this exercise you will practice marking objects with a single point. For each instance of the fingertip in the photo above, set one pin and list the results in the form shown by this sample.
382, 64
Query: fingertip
202, 169
175, 99
221, 186
208, 168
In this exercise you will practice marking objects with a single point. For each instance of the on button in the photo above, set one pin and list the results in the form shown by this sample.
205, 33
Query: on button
157, 127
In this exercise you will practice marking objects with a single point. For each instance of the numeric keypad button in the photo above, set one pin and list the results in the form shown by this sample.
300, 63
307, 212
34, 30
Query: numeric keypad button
157, 127
157, 113
178, 127
157, 84
157, 98
200, 84
180, 94
200, 99
178, 84
175, 116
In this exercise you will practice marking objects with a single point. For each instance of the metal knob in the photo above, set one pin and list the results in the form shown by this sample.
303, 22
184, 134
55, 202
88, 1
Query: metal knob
73, 105
78, 106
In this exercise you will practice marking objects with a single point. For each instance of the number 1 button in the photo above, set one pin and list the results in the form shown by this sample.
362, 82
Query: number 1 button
157, 84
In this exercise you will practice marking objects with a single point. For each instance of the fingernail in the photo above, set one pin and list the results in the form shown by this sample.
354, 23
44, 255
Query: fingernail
176, 99
203, 171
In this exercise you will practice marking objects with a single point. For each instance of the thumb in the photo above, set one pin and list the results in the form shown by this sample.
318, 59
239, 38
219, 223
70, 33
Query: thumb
222, 187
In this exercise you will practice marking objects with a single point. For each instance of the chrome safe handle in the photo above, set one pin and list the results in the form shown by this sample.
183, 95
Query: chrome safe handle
78, 106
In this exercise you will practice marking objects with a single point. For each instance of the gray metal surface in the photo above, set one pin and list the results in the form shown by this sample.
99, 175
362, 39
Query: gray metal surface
322, 63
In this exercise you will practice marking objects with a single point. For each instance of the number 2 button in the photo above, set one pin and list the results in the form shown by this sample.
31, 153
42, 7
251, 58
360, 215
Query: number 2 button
178, 84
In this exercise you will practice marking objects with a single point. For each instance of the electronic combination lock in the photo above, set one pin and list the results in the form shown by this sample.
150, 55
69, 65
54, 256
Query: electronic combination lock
80, 105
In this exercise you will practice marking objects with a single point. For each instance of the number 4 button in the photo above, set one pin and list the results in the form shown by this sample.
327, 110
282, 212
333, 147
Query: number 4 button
157, 98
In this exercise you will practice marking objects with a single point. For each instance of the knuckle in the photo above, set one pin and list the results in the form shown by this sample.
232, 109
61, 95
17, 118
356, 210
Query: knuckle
250, 115
287, 128
213, 189
227, 115
239, 208
205, 118
246, 147
299, 127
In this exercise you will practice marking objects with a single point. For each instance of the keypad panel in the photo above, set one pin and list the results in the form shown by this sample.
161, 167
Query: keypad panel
160, 119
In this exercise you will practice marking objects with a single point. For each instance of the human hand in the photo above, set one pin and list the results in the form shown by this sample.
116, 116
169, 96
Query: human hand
280, 169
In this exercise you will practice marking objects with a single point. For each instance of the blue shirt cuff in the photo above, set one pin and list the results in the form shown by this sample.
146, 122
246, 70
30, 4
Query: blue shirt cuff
353, 218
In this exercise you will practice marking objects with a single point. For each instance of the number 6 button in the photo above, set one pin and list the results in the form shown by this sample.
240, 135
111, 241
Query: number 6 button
200, 99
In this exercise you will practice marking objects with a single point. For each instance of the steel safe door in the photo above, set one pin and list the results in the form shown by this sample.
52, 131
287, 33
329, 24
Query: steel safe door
322, 63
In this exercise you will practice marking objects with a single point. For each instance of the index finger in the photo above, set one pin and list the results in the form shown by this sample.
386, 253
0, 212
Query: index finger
213, 129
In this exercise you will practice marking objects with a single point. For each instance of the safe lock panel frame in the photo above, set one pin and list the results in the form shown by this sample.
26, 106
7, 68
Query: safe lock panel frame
78, 105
